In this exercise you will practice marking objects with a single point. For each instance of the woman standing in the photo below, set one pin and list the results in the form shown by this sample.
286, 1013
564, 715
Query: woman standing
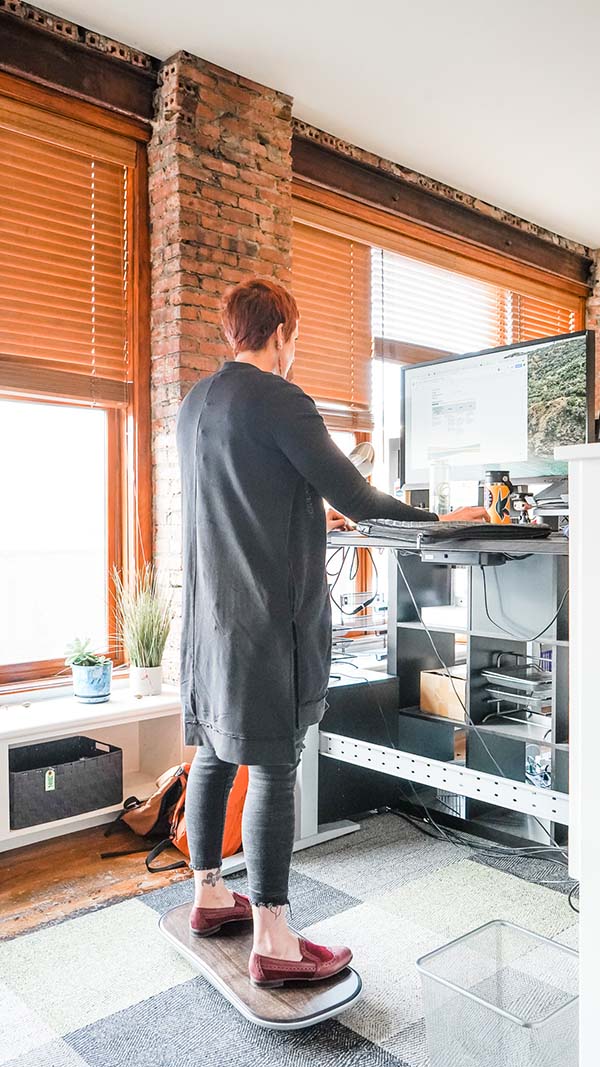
256, 462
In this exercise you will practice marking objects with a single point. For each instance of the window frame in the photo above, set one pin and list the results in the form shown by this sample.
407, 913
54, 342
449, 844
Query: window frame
356, 220
129, 529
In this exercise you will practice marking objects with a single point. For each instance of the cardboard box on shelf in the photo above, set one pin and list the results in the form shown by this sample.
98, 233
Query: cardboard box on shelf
437, 692
460, 745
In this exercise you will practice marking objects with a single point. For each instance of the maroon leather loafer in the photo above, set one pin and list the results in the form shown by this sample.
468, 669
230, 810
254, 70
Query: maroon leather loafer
205, 921
318, 962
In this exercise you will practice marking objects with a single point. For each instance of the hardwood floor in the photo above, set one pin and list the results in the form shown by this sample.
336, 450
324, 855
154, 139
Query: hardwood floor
55, 878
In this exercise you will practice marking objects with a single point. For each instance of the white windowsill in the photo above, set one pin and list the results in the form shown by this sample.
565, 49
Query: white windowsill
40, 714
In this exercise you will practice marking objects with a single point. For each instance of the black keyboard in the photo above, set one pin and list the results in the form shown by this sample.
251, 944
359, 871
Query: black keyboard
424, 533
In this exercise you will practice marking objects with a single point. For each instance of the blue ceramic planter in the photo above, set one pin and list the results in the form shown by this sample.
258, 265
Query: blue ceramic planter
91, 685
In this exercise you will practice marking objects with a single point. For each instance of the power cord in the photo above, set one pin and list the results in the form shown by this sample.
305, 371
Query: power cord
510, 632
351, 576
454, 838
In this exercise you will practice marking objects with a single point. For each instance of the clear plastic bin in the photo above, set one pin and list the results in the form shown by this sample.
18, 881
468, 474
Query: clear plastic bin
501, 996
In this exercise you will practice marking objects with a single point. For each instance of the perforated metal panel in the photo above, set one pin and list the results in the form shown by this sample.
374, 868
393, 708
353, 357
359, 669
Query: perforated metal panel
519, 796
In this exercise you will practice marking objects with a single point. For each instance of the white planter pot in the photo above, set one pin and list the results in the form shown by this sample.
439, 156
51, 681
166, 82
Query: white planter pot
145, 681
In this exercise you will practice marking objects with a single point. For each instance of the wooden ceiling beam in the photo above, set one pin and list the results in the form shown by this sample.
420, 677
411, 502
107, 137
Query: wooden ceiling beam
331, 170
30, 51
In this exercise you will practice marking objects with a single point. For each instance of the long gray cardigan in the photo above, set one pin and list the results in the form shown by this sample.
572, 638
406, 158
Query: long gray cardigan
256, 460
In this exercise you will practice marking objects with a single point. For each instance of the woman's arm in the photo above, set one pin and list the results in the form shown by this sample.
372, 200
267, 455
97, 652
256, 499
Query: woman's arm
299, 431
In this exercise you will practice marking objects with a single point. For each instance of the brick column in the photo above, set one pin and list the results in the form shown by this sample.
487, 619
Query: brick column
220, 210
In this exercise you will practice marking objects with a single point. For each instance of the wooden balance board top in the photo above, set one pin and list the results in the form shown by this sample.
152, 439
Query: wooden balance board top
222, 958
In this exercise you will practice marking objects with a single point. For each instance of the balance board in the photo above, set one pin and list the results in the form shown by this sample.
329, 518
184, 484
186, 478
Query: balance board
222, 959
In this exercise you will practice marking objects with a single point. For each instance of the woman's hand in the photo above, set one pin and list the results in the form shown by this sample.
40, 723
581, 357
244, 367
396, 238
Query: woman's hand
466, 515
335, 521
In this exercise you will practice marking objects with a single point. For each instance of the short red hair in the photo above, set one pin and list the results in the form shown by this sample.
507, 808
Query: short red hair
252, 311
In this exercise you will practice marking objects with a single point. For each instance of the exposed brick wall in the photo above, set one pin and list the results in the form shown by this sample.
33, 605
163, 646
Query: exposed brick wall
220, 209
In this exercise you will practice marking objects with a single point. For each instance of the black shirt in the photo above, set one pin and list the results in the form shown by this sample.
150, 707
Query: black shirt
256, 459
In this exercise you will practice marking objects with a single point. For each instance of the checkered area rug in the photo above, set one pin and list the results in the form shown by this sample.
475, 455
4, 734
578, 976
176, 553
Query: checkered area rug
104, 988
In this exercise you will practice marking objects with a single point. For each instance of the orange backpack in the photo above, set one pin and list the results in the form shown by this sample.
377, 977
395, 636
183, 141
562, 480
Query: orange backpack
164, 813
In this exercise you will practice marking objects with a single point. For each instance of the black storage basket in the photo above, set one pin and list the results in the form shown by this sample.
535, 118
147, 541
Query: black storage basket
57, 779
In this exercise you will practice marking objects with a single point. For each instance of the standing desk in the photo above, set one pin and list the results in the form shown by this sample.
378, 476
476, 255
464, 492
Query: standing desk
392, 739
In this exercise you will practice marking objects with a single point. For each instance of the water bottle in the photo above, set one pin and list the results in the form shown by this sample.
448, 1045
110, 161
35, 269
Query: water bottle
496, 492
439, 487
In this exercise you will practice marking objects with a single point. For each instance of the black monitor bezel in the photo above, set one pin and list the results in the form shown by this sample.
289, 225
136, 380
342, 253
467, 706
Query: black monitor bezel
590, 380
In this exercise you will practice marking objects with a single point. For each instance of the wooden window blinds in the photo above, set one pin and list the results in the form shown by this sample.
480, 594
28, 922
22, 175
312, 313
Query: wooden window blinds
531, 318
331, 279
64, 257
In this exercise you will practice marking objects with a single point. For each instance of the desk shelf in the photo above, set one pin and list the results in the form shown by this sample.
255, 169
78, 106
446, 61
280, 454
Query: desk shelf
532, 732
432, 629
547, 641
427, 716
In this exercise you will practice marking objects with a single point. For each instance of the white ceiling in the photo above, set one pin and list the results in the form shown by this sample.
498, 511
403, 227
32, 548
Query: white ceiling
499, 98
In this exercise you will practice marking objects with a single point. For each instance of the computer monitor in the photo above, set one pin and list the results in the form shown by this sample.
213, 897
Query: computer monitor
503, 408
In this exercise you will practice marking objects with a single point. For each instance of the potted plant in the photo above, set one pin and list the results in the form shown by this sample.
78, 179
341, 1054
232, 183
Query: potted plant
92, 674
144, 621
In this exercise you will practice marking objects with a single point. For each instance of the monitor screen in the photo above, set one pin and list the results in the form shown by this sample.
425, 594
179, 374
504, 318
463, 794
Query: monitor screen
505, 408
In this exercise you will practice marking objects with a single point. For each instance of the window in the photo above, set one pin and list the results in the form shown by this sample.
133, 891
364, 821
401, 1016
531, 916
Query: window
422, 312
387, 383
70, 403
53, 535
429, 295
344, 440
349, 572
431, 311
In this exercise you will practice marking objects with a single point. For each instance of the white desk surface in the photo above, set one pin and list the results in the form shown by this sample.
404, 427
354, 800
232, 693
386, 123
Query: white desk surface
551, 546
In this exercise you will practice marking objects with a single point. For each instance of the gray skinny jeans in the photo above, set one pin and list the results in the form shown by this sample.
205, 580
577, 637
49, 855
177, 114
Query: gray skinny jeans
268, 821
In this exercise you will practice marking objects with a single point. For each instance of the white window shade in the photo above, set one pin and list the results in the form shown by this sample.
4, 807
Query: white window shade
433, 308
426, 305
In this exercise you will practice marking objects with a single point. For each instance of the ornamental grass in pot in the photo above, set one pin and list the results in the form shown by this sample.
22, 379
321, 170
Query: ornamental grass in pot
144, 621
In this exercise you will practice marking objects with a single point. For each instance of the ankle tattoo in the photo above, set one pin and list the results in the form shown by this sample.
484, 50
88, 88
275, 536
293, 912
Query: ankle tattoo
275, 909
212, 877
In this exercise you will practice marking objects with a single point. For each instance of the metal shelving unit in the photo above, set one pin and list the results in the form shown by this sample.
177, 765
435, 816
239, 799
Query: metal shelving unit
525, 587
